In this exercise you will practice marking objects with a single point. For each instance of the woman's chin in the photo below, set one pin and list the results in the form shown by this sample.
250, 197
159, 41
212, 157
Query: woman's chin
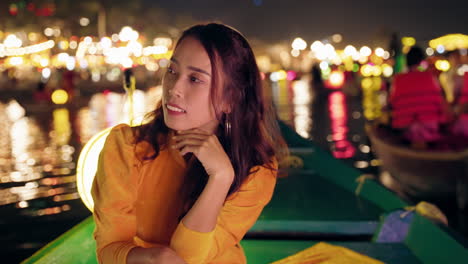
175, 126
179, 125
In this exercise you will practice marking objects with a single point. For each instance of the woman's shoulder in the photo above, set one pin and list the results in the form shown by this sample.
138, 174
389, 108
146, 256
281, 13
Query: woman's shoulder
271, 165
265, 173
126, 138
259, 186
120, 143
122, 134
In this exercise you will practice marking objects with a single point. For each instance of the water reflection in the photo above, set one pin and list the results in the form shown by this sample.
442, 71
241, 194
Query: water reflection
31, 158
301, 102
315, 112
38, 150
342, 148
330, 113
62, 129
32, 163
373, 99
282, 96
109, 109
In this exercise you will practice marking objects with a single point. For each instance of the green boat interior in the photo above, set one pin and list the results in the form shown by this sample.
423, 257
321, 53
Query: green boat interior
320, 199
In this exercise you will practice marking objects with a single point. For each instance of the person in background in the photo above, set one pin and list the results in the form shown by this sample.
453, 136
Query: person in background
187, 186
452, 82
460, 126
417, 103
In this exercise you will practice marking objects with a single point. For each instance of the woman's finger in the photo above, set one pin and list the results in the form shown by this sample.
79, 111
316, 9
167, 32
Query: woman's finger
189, 139
189, 149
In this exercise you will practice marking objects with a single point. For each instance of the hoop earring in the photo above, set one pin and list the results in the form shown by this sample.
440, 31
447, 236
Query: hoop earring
227, 126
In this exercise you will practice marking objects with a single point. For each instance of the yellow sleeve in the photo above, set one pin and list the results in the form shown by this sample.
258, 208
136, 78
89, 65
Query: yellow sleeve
238, 215
114, 194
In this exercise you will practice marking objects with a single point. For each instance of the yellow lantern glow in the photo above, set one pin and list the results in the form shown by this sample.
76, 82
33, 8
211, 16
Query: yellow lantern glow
442, 65
87, 166
450, 42
59, 96
408, 41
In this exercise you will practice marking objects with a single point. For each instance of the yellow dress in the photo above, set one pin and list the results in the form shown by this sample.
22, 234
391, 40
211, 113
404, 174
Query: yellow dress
137, 203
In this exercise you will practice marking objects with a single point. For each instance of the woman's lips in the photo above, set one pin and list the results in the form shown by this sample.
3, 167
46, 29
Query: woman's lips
174, 109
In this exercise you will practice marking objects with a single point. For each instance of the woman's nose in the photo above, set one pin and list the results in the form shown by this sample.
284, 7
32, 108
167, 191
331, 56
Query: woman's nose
175, 88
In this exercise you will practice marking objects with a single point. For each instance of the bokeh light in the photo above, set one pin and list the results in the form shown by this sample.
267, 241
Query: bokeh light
59, 97
336, 79
442, 65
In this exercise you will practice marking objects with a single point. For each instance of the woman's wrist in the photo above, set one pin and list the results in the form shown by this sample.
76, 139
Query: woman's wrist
225, 177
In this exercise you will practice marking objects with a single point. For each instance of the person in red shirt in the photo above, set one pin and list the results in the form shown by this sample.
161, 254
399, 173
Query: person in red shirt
417, 102
460, 126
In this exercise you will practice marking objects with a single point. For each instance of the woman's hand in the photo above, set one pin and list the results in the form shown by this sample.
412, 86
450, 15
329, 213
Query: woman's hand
209, 151
155, 255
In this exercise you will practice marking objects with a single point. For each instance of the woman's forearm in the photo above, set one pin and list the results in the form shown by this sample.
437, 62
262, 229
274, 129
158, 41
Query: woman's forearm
203, 215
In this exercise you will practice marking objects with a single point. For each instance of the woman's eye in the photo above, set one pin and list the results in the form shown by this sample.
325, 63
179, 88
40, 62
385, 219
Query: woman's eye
195, 80
170, 70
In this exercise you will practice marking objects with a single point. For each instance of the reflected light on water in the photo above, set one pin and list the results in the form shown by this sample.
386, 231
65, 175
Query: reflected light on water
23, 204
58, 180
20, 138
62, 126
364, 148
301, 92
14, 111
66, 197
371, 97
282, 95
138, 111
113, 108
376, 162
48, 211
337, 109
33, 164
85, 130
301, 100
361, 164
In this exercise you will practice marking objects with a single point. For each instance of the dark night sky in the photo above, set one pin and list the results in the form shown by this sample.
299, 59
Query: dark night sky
359, 22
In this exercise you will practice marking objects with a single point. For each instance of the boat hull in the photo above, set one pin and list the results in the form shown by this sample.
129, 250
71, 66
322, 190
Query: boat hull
422, 175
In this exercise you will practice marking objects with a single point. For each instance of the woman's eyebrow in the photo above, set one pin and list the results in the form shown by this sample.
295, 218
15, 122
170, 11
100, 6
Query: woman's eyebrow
192, 68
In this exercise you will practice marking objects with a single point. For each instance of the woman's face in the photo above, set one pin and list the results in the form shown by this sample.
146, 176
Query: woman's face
186, 89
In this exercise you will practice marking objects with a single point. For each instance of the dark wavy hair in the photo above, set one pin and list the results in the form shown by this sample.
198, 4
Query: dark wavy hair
255, 138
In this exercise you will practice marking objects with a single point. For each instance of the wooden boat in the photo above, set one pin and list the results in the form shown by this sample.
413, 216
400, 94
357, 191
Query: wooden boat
315, 202
425, 243
421, 174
